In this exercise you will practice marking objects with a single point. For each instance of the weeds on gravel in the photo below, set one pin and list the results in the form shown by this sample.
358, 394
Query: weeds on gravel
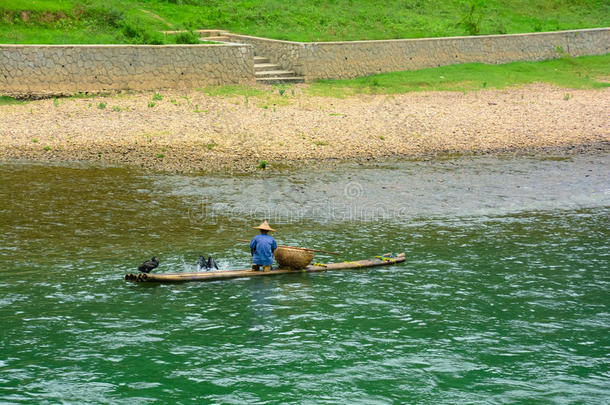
263, 98
80, 95
232, 90
157, 97
101, 105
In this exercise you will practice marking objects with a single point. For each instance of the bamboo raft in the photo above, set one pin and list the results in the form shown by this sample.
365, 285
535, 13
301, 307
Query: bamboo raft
228, 274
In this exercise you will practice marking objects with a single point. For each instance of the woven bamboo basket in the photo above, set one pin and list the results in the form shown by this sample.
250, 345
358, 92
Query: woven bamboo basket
290, 258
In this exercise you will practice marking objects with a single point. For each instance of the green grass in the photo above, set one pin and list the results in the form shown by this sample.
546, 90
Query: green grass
138, 21
587, 72
5, 100
232, 90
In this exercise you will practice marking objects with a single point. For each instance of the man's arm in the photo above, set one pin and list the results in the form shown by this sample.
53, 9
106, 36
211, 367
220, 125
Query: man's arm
253, 246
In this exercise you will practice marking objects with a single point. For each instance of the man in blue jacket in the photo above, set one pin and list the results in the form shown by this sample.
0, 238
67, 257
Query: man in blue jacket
262, 247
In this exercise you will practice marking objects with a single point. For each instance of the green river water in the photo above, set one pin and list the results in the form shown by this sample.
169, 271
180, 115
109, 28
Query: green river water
504, 297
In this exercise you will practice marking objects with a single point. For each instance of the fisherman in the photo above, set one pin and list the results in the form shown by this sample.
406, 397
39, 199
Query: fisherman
262, 247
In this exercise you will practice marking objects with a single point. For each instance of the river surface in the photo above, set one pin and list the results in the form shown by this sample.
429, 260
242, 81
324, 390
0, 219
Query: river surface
504, 297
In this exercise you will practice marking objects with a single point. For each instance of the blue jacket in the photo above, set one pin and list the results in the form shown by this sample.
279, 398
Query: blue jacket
262, 247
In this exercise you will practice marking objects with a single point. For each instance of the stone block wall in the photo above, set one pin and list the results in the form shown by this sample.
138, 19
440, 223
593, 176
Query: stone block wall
336, 60
45, 70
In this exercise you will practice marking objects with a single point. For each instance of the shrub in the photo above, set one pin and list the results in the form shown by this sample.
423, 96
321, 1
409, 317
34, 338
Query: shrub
138, 34
471, 21
110, 17
188, 37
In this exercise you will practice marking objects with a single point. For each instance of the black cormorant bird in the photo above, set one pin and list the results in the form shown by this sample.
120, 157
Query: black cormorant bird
148, 265
206, 264
212, 263
201, 264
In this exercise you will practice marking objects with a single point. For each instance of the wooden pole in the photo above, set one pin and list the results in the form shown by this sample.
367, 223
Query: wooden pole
226, 274
295, 247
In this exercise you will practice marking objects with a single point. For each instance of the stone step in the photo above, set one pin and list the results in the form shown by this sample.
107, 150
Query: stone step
211, 33
258, 67
274, 73
261, 59
280, 80
219, 38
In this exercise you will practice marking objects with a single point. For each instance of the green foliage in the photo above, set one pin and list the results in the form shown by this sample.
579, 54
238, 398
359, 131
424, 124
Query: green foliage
139, 33
94, 21
101, 105
262, 164
139, 21
157, 97
188, 37
583, 72
471, 21
151, 104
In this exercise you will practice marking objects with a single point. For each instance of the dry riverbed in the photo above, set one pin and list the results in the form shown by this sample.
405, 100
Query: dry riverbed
191, 131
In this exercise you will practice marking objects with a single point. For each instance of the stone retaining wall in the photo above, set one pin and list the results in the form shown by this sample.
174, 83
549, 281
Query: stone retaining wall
45, 70
336, 60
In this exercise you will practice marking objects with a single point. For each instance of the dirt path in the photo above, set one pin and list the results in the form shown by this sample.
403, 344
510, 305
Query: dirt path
191, 131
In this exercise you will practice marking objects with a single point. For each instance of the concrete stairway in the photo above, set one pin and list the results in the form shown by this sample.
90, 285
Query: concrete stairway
212, 35
264, 71
271, 73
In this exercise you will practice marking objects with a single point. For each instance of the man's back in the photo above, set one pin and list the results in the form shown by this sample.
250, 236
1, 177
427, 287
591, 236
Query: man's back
262, 247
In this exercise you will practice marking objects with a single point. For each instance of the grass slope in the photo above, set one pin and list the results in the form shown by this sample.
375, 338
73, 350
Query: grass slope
138, 21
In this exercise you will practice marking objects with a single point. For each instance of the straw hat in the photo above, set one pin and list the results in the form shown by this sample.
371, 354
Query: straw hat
264, 227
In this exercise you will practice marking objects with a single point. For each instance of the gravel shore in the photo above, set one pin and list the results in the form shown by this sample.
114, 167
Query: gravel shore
190, 131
